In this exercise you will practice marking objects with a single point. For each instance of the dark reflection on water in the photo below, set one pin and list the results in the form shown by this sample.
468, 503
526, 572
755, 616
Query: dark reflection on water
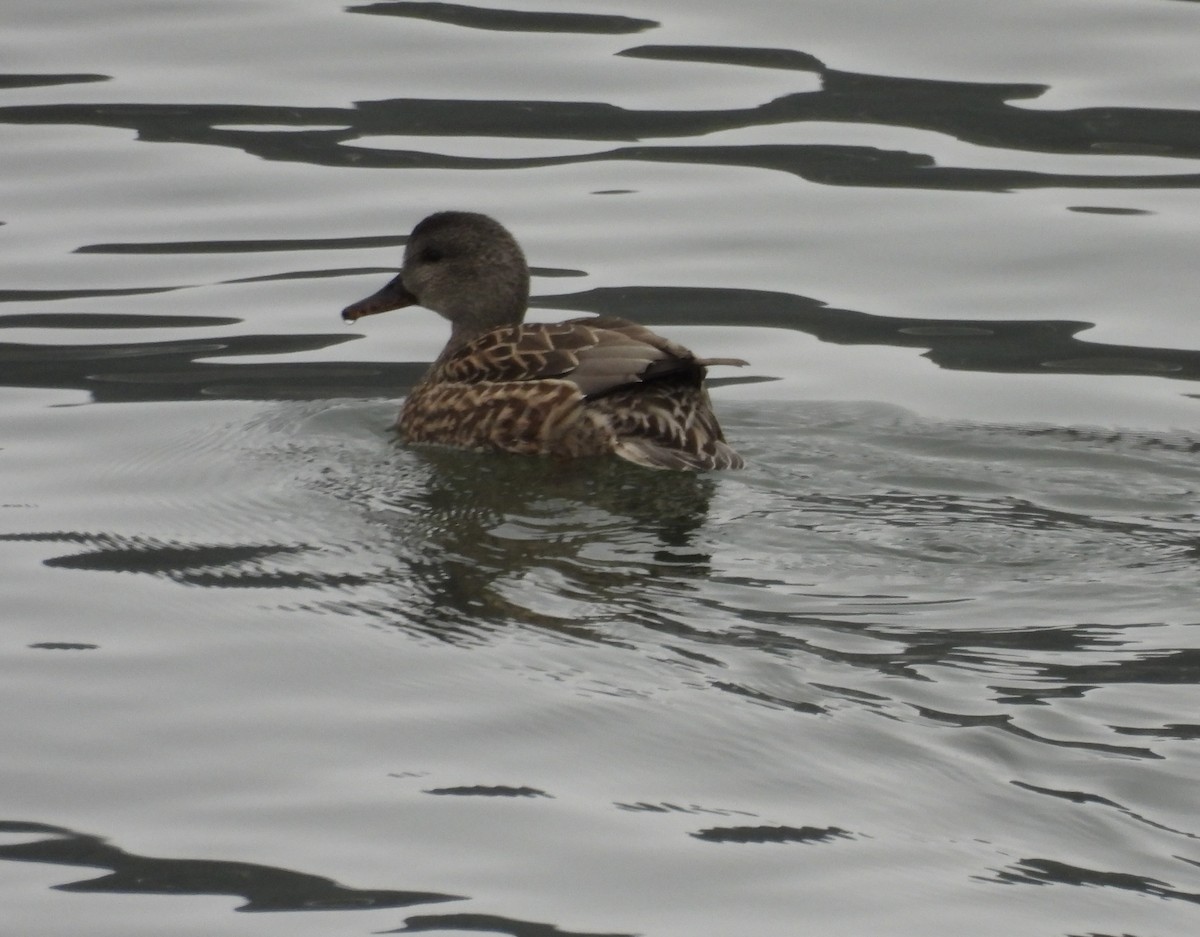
36, 296
967, 648
460, 523
142, 371
256, 246
1008, 346
1006, 723
458, 14
979, 113
1051, 872
42, 81
486, 790
1081, 797
808, 589
265, 888
464, 547
170, 370
492, 923
1182, 731
762, 696
975, 112
108, 320
222, 566
771, 834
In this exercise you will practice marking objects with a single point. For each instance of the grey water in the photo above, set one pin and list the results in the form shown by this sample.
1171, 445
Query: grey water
930, 661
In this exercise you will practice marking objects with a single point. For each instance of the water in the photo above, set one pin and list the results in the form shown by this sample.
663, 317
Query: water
930, 661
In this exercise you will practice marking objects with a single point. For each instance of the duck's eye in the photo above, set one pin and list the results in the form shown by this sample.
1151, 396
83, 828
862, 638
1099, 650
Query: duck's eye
431, 255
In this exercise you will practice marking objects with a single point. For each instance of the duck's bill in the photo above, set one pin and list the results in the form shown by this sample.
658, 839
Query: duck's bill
392, 296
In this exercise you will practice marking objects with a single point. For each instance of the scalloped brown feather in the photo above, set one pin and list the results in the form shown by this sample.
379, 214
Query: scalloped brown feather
584, 387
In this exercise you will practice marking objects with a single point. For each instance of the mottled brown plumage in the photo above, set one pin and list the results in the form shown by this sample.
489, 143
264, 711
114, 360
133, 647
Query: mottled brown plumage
584, 387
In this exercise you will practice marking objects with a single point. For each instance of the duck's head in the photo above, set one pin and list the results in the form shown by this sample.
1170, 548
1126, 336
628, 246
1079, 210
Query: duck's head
462, 265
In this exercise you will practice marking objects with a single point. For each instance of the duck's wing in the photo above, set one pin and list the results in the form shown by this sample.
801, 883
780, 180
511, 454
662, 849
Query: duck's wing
598, 355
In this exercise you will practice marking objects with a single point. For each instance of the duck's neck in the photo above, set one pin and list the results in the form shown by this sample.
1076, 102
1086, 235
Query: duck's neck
465, 328
461, 335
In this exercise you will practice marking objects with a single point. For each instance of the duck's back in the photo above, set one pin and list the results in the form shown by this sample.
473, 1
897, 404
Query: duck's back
584, 387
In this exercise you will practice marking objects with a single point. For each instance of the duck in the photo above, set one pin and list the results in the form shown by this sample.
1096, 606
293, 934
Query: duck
588, 387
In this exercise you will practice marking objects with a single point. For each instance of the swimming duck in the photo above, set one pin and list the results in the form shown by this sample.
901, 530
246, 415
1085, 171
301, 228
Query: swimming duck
584, 387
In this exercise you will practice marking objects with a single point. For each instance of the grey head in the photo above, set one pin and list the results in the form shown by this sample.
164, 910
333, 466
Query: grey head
462, 265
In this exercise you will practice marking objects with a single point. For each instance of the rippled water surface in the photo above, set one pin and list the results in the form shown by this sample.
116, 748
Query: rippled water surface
928, 663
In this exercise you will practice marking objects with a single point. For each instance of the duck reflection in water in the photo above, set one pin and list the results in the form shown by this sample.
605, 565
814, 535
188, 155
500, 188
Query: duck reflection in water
485, 541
